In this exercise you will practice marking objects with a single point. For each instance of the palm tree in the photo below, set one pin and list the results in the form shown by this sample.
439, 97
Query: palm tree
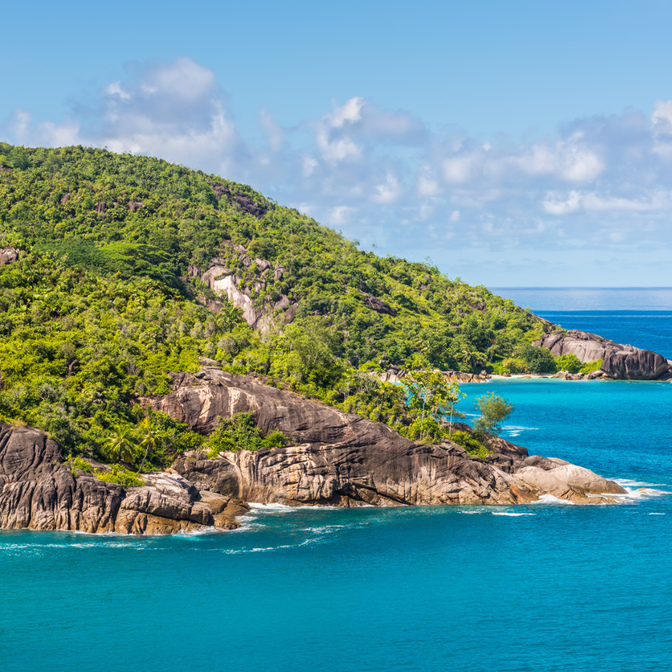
120, 444
150, 441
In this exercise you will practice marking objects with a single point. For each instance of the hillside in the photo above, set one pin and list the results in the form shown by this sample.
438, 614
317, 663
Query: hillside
122, 275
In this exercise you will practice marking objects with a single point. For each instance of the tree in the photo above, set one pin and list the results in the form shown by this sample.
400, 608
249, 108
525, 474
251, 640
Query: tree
120, 443
150, 441
494, 410
430, 393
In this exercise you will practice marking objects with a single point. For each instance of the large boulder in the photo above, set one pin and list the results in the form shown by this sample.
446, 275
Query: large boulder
8, 255
618, 361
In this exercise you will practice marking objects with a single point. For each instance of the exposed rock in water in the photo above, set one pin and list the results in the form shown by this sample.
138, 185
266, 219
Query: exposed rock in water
346, 460
618, 361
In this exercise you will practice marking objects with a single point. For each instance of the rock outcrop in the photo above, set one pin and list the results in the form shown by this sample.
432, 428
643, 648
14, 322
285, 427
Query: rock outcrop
618, 361
345, 460
39, 491
8, 255
339, 459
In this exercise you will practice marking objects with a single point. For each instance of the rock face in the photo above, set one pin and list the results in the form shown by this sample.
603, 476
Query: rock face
618, 361
345, 460
38, 491
228, 285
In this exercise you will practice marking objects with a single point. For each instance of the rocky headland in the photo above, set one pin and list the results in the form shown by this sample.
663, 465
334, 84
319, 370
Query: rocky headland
337, 459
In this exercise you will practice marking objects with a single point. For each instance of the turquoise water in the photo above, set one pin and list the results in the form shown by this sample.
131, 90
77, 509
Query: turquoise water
547, 587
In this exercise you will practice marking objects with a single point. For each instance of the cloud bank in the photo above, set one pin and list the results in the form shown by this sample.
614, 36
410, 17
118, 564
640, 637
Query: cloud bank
601, 184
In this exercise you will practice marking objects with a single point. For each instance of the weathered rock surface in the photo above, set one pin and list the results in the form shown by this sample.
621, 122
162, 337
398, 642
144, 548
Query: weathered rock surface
619, 361
8, 255
38, 491
343, 459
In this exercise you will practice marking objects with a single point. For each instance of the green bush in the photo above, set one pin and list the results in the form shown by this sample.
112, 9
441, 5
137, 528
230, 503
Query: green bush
427, 430
119, 475
537, 359
79, 463
240, 433
589, 367
471, 444
570, 363
512, 365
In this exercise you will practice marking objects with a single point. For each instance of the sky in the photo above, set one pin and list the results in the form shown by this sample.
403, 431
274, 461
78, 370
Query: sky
512, 144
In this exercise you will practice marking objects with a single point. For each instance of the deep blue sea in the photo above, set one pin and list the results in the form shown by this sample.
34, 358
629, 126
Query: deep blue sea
544, 587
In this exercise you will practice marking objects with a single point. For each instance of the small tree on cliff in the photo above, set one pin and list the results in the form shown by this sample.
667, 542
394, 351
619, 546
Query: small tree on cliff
430, 393
494, 410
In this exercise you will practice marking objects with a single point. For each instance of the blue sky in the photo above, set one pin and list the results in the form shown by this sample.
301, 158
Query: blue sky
514, 144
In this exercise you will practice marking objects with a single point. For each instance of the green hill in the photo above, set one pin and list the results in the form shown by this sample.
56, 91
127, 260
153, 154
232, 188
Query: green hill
111, 292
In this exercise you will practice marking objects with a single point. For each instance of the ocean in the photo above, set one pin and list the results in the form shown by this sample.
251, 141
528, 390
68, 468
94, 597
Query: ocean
543, 587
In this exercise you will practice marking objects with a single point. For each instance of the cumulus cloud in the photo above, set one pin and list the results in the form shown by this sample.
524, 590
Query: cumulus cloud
383, 176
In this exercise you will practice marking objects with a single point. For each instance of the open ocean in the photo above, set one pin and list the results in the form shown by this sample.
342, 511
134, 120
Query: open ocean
539, 588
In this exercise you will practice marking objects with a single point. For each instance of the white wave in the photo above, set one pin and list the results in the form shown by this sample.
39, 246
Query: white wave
270, 507
471, 512
266, 549
552, 499
643, 493
630, 483
656, 514
273, 506
511, 514
328, 529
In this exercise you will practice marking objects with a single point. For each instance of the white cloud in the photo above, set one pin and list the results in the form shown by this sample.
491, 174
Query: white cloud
382, 174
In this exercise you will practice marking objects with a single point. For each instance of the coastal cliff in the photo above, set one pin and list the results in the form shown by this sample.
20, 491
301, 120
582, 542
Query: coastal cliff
339, 459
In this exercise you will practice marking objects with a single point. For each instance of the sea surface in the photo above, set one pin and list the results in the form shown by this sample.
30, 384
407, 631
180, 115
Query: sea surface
543, 587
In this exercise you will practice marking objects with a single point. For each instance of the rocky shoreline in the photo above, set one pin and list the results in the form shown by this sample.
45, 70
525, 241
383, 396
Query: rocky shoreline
337, 459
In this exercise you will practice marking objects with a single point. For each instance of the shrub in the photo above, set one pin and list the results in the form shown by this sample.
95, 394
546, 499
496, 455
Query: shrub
79, 463
471, 444
426, 430
240, 433
120, 475
570, 363
513, 365
537, 359
589, 367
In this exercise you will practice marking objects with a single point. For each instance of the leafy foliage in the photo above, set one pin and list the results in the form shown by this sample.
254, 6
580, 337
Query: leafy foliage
240, 433
120, 475
570, 363
471, 444
494, 410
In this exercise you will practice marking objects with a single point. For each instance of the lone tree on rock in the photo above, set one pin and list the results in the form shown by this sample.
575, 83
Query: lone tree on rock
494, 410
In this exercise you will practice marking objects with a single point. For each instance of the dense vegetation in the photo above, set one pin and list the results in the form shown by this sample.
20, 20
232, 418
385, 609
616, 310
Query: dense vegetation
106, 300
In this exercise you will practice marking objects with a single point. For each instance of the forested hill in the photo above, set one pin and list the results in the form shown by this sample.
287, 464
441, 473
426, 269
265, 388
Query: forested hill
132, 216
111, 292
